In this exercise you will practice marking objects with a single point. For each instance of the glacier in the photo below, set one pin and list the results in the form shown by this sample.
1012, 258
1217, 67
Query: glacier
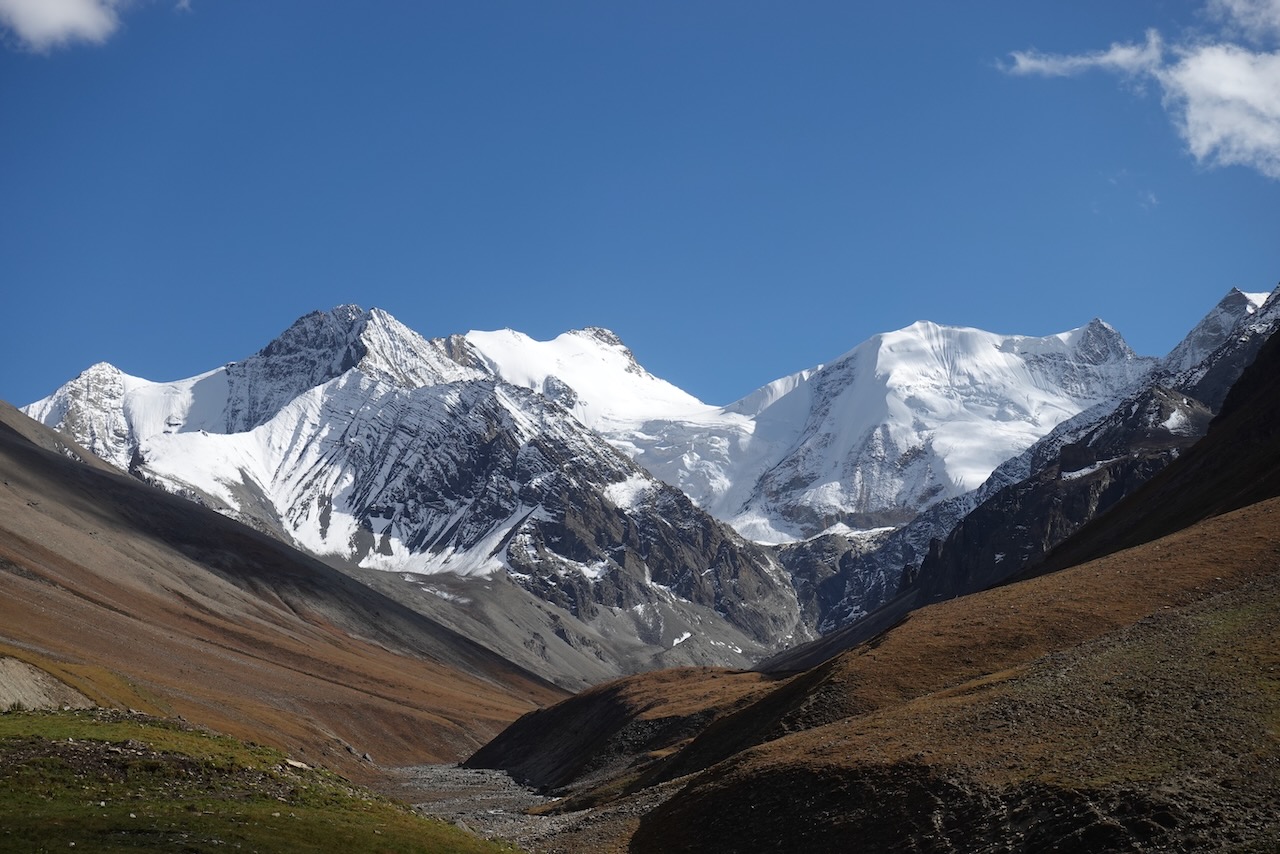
902, 421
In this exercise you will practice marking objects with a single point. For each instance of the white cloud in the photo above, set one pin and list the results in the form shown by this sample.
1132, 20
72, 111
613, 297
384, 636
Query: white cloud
1124, 58
1255, 19
42, 24
1224, 99
1226, 103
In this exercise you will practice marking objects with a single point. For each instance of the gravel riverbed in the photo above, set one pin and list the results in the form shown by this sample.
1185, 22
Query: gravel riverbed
492, 805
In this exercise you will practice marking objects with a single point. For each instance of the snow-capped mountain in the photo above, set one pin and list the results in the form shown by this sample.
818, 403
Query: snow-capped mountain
1210, 333
902, 421
564, 474
589, 372
1036, 499
361, 442
114, 412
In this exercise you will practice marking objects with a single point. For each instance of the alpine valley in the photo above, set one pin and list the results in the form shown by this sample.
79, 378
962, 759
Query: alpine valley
951, 591
559, 504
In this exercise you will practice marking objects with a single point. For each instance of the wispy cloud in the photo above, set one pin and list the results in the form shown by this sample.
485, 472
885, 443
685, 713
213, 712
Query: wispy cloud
1123, 58
1223, 97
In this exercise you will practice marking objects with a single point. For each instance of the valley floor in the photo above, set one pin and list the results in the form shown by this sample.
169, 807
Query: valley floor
493, 806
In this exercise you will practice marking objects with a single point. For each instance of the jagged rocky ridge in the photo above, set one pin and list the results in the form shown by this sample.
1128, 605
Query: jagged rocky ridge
475, 470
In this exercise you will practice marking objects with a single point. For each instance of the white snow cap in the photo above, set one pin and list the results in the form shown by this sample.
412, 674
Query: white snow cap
588, 371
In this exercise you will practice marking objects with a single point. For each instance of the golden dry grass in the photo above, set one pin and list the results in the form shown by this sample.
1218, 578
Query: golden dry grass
1036, 695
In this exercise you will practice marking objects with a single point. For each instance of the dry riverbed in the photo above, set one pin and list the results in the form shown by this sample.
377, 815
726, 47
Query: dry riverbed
492, 805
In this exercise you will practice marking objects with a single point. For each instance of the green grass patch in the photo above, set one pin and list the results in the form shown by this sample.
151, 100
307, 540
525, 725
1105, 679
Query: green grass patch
108, 781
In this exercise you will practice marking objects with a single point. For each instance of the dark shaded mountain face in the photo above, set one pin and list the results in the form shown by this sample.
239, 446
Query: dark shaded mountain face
1237, 464
1020, 524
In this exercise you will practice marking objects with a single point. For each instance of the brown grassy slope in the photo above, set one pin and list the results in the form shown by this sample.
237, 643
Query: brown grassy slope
608, 731
1163, 733
951, 643
936, 648
142, 599
1126, 681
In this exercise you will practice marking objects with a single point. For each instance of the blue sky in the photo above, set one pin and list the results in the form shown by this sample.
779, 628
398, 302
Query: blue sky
739, 189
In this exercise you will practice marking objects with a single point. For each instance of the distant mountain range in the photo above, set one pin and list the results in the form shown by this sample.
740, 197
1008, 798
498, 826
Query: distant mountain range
595, 519
1124, 702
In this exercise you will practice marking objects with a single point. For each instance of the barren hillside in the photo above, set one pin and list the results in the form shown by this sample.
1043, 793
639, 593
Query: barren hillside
143, 600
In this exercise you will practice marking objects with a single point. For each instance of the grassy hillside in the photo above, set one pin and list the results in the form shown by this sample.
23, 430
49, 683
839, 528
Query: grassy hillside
113, 781
1161, 735
1129, 703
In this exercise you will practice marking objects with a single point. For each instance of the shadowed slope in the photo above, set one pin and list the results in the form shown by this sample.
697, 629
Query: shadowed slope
1162, 731
142, 599
612, 729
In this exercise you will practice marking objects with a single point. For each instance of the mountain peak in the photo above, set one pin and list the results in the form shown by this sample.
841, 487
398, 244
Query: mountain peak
1098, 342
1213, 329
611, 340
323, 345
90, 408
394, 353
1255, 300
588, 371
319, 333
599, 333
101, 369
